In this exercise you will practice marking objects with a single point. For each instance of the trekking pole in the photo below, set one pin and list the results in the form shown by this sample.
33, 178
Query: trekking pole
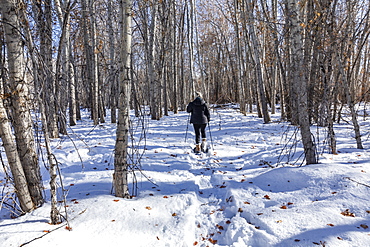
187, 127
210, 136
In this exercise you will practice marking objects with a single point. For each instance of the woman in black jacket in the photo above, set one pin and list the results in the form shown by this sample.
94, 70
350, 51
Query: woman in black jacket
199, 118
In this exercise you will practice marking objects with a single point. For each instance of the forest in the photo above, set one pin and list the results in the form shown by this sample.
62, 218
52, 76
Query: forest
307, 60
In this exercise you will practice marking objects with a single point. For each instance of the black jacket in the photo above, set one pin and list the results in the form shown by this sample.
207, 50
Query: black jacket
199, 111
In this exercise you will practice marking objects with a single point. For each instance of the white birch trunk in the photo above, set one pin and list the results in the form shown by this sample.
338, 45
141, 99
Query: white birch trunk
300, 83
94, 64
260, 84
152, 74
20, 107
120, 156
240, 65
20, 182
112, 77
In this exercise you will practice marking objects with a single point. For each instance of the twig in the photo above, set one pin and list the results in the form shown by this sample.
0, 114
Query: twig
50, 231
357, 182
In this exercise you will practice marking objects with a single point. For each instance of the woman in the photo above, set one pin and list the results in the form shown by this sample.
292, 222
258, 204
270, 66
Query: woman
199, 118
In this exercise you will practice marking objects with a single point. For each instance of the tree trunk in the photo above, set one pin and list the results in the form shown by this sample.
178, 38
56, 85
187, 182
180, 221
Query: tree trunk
120, 157
300, 83
20, 107
152, 69
350, 104
20, 182
112, 73
43, 17
257, 60
240, 65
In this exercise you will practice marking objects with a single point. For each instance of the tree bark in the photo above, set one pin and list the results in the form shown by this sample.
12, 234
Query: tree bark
300, 83
20, 182
120, 157
20, 106
257, 60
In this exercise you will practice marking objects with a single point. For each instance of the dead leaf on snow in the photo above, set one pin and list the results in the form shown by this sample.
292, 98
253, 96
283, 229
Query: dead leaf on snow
364, 226
212, 241
347, 213
219, 227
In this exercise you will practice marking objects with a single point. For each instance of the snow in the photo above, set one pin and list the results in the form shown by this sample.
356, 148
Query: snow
250, 190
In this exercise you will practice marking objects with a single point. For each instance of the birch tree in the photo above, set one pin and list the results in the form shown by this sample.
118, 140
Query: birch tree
257, 61
20, 100
298, 71
121, 165
20, 182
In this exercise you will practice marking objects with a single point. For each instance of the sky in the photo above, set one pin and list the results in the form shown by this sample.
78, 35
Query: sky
250, 189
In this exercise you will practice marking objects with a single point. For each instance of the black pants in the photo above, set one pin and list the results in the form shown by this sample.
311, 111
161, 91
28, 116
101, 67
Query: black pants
199, 129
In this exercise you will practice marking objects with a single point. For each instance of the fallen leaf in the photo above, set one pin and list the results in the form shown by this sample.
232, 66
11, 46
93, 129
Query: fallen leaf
347, 213
279, 221
46, 231
364, 226
212, 241
220, 227
283, 207
290, 203
267, 197
165, 196
174, 214
297, 240
149, 208
68, 228
330, 224
339, 238
260, 214
228, 222
246, 203
240, 210
157, 238
195, 243
116, 200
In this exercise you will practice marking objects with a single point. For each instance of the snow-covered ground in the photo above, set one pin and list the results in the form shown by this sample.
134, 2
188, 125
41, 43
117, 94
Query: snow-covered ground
249, 191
